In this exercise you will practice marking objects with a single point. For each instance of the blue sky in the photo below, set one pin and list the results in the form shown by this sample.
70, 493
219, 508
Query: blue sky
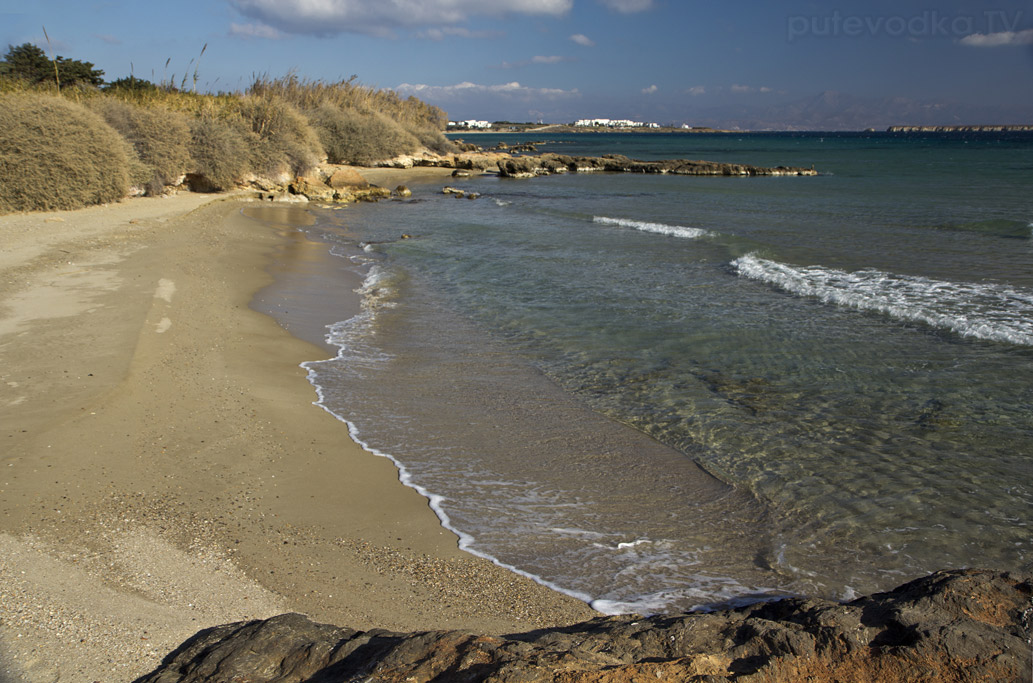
746, 63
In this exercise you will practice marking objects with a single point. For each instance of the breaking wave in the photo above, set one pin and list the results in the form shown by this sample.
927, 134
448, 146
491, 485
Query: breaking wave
991, 312
658, 228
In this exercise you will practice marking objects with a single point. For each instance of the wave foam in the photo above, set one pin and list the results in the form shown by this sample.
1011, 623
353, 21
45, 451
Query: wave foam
704, 593
379, 289
982, 311
657, 228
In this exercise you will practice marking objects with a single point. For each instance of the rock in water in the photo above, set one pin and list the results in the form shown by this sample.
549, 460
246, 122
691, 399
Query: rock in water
548, 164
965, 625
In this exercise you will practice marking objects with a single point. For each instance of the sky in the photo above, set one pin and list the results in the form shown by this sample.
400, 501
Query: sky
772, 64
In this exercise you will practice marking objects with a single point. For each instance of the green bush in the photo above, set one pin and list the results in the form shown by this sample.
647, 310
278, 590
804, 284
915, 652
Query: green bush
160, 138
351, 137
30, 64
57, 155
131, 85
284, 141
221, 156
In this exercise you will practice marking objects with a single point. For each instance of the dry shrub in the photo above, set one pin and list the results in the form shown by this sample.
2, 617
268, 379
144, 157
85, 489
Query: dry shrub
160, 138
434, 140
351, 137
307, 96
221, 156
354, 119
57, 155
283, 139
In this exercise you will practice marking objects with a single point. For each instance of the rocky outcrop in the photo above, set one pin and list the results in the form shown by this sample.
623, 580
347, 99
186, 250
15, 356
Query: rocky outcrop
951, 626
460, 194
346, 178
326, 183
471, 161
548, 164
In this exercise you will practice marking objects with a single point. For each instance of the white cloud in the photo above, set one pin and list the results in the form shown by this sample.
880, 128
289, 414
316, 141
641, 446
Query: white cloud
456, 32
749, 88
537, 59
650, 90
512, 90
254, 31
697, 90
1002, 39
328, 17
582, 39
628, 6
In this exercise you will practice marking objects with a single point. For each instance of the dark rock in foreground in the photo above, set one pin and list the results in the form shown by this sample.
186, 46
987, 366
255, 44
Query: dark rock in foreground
547, 164
964, 625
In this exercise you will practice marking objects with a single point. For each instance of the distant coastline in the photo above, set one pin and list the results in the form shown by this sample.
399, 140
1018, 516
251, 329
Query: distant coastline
961, 129
570, 129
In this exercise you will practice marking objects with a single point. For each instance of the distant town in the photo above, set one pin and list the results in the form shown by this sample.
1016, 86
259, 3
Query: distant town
625, 125
509, 126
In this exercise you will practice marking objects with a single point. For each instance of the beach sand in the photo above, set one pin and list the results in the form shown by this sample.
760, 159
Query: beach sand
163, 468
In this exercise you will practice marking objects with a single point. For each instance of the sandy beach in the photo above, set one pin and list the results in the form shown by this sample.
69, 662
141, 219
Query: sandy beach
164, 469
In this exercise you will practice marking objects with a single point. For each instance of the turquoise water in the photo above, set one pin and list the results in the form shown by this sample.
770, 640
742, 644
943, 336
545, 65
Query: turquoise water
662, 392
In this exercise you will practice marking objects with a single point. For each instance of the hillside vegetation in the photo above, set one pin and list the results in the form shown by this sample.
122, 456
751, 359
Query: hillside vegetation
67, 139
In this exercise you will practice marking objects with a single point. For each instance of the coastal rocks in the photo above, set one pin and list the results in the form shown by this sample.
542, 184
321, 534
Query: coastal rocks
479, 162
326, 183
281, 196
402, 192
548, 164
964, 625
460, 194
346, 178
470, 161
524, 147
420, 159
373, 193
312, 189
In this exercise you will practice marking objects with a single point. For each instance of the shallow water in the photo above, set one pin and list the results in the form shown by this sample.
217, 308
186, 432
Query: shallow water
663, 392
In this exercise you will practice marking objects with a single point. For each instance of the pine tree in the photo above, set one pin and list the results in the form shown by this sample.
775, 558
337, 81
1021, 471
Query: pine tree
31, 64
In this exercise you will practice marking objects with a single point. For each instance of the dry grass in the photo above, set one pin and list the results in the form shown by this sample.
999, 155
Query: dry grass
159, 137
359, 124
350, 137
57, 155
283, 139
221, 158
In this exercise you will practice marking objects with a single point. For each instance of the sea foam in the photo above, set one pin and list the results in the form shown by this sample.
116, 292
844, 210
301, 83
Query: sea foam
986, 311
657, 228
357, 350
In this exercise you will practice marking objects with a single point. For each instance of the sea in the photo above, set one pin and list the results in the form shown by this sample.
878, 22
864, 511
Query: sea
663, 393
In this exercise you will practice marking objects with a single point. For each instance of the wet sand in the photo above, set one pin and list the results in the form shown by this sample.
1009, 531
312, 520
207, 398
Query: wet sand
163, 468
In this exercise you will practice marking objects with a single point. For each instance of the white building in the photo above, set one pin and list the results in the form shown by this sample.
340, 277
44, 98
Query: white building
613, 123
469, 124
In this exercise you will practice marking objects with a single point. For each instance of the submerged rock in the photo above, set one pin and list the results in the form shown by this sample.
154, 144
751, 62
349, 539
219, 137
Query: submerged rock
965, 625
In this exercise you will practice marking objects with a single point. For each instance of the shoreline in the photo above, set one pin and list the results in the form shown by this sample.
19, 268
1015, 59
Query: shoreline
164, 468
